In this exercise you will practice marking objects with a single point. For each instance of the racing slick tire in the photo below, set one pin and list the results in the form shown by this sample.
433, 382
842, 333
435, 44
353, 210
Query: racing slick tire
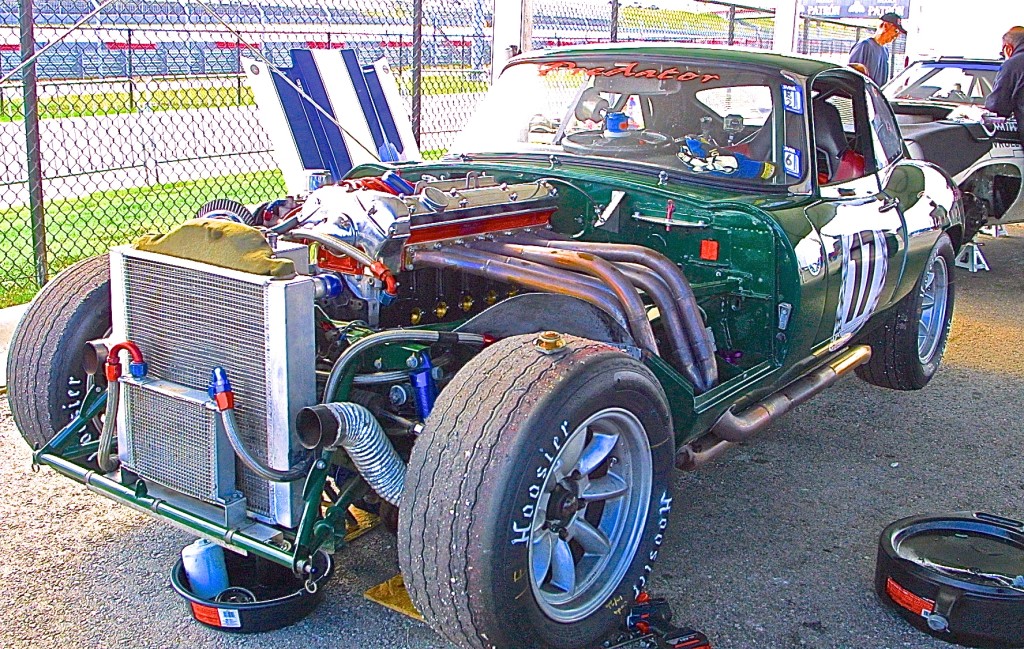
907, 349
537, 496
46, 382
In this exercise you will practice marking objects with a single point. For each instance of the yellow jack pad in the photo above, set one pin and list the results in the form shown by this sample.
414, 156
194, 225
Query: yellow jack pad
363, 523
393, 595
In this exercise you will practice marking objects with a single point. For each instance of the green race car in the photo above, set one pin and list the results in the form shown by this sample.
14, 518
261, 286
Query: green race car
634, 257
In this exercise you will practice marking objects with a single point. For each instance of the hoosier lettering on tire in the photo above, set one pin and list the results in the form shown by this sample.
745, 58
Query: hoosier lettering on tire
537, 497
44, 366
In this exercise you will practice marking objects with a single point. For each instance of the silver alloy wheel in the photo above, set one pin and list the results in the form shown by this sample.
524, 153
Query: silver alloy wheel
590, 514
934, 302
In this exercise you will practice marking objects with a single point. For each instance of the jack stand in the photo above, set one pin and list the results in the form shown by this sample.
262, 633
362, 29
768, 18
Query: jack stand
970, 257
995, 231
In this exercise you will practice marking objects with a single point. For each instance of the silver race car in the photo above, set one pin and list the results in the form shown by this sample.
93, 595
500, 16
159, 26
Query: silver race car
939, 105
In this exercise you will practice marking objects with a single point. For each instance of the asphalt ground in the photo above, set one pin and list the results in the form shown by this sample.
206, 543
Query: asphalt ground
772, 547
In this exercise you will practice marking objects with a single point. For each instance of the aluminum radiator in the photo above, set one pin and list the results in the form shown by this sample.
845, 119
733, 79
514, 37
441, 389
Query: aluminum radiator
188, 317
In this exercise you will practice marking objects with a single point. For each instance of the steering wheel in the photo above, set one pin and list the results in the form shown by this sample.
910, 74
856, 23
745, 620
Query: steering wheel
632, 142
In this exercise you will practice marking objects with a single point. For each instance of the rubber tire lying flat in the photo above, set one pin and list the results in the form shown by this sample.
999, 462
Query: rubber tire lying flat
895, 362
491, 439
44, 367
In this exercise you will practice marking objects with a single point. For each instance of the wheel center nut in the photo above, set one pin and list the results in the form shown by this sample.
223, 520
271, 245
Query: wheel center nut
549, 342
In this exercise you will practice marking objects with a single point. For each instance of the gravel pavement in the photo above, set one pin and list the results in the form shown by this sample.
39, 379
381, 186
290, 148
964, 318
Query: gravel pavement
772, 547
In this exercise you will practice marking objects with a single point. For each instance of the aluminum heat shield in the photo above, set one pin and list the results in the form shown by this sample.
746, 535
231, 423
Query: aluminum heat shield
187, 318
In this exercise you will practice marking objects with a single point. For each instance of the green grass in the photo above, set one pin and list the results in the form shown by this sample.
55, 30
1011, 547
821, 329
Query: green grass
121, 102
443, 83
82, 227
114, 103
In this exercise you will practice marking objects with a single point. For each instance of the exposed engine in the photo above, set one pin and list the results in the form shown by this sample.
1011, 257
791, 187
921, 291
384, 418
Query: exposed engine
371, 256
375, 224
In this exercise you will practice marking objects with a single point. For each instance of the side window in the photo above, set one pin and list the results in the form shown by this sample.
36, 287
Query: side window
887, 142
840, 136
752, 103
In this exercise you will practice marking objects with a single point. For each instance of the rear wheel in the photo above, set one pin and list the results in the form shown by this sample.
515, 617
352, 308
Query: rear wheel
907, 349
537, 496
46, 382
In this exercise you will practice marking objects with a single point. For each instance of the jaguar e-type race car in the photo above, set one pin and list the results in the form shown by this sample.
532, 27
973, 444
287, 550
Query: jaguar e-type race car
635, 257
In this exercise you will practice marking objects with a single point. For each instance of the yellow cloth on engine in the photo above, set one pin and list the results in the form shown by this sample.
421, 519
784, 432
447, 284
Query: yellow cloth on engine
219, 243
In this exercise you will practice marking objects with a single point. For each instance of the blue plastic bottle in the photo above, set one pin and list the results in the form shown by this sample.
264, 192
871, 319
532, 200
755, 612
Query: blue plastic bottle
204, 565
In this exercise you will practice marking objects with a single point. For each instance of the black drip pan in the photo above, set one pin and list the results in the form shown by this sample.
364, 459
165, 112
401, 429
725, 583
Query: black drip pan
958, 577
262, 596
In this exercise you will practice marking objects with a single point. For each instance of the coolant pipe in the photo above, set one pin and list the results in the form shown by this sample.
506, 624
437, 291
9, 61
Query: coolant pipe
510, 270
353, 351
338, 247
699, 339
224, 397
112, 370
594, 266
105, 459
738, 428
353, 427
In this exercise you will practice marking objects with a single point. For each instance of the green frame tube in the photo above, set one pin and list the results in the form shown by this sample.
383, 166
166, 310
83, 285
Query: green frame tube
313, 531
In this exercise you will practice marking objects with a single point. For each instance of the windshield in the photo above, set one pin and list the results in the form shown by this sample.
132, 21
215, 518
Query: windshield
946, 82
682, 116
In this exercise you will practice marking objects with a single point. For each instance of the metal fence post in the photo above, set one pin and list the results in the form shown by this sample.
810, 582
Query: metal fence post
131, 75
613, 36
417, 69
238, 71
732, 24
32, 144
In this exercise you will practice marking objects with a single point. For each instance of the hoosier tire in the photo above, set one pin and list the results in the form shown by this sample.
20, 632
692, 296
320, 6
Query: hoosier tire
523, 458
46, 381
907, 349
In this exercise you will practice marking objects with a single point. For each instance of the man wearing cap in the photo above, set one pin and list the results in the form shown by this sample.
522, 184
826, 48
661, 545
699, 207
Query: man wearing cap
1007, 96
871, 55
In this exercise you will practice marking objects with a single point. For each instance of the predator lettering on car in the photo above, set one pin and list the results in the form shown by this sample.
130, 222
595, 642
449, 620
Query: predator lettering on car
628, 70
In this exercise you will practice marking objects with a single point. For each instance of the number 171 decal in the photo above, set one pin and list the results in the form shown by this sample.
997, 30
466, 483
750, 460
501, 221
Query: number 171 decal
865, 263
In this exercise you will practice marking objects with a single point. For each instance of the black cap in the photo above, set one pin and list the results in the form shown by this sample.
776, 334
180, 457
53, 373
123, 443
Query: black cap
894, 20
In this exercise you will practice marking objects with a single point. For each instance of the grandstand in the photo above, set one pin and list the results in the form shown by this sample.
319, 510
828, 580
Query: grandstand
171, 38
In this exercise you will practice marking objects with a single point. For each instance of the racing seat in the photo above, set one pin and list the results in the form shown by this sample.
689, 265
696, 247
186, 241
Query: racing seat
840, 161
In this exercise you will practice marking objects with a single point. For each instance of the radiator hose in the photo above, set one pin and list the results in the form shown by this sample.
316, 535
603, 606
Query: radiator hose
220, 390
105, 459
354, 428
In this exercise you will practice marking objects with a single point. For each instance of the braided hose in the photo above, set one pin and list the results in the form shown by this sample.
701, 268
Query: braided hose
107, 461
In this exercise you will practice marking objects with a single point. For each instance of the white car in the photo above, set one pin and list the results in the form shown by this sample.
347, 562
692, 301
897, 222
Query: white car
939, 105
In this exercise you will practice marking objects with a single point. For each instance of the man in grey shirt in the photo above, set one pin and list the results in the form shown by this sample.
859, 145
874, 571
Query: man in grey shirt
871, 56
1007, 96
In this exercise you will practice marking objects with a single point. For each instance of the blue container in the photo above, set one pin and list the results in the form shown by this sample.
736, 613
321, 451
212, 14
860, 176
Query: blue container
204, 564
616, 123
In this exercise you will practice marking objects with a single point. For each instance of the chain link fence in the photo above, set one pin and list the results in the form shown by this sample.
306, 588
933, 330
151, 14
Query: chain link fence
140, 114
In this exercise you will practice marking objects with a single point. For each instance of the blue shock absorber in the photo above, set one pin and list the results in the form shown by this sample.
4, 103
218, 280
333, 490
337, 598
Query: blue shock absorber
425, 386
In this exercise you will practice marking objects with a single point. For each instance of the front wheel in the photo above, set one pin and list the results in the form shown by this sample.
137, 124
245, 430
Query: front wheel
44, 368
907, 349
537, 497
